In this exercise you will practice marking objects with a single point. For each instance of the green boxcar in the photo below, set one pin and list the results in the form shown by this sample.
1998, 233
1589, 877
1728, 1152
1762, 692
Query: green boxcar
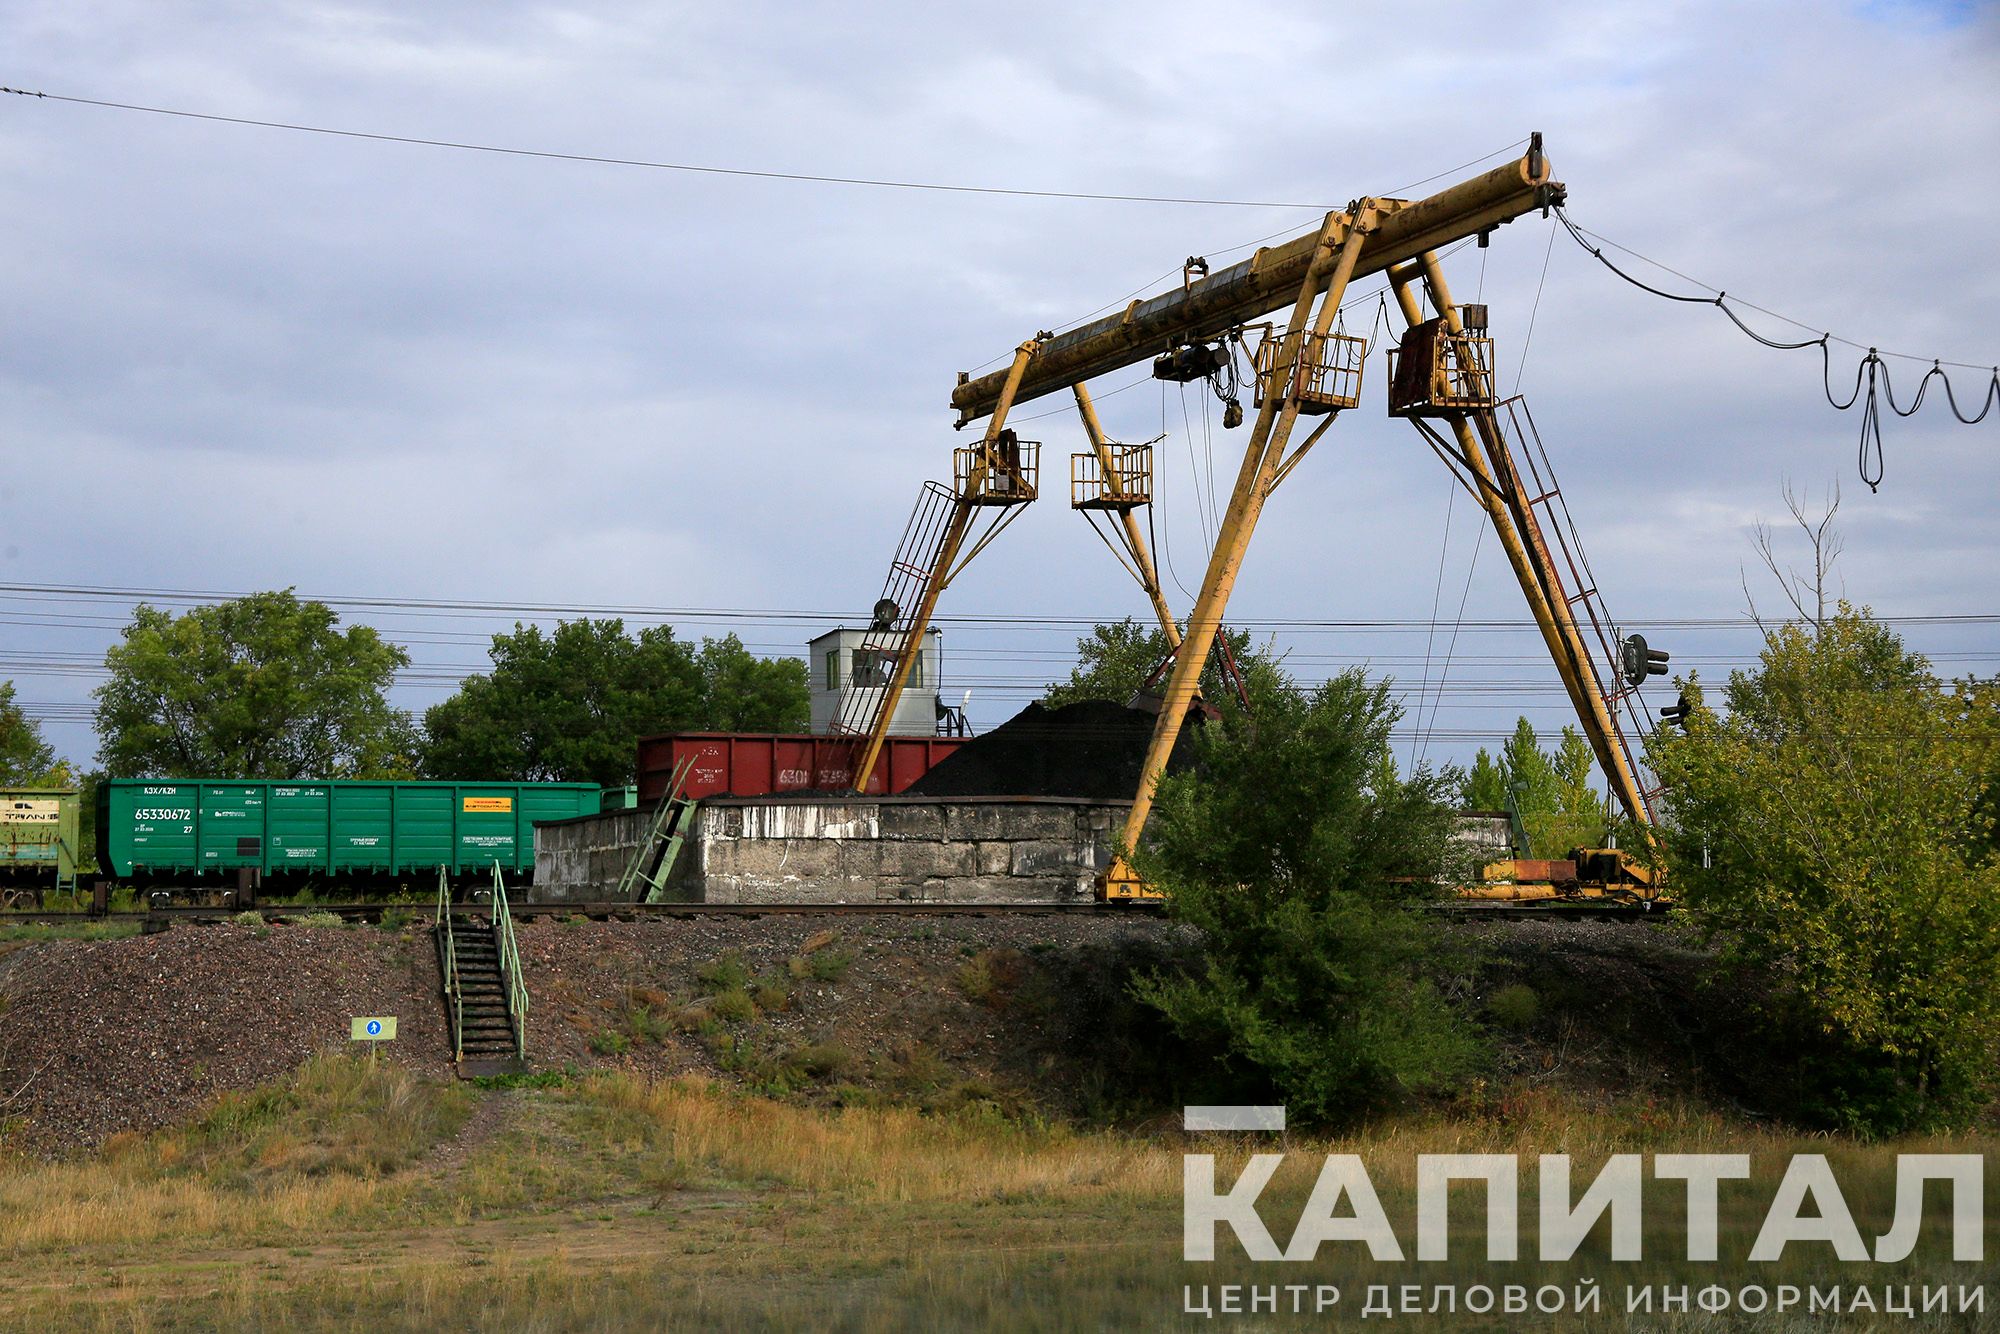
161, 828
38, 834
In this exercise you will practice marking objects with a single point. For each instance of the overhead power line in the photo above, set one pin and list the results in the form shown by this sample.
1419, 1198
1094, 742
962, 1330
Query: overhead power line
695, 168
56, 592
1873, 369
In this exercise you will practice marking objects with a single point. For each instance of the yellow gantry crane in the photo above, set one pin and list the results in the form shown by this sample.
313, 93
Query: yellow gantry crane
1442, 373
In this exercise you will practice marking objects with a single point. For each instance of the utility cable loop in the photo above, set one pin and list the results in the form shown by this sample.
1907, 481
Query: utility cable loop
1871, 375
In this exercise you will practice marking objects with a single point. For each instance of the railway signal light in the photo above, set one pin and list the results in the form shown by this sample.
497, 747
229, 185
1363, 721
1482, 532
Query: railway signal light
1676, 713
1640, 662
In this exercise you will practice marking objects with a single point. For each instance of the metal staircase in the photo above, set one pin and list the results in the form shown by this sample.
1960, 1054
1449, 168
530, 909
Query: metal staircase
485, 999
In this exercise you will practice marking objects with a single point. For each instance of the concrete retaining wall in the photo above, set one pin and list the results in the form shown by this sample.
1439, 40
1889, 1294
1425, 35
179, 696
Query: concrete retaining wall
580, 860
835, 849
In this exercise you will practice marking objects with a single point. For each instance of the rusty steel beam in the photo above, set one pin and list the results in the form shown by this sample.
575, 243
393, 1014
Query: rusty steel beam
1267, 280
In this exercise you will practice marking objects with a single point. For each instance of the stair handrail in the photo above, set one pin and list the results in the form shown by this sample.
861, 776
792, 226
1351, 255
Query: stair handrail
448, 961
510, 964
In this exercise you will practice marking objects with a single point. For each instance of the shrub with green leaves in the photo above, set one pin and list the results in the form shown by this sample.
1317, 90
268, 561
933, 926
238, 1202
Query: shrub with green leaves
1835, 830
1306, 862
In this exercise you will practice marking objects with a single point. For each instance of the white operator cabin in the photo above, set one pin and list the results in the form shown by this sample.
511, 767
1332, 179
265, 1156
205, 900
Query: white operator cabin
848, 678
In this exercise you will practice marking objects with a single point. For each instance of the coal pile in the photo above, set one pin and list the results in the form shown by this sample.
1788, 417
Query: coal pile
1092, 749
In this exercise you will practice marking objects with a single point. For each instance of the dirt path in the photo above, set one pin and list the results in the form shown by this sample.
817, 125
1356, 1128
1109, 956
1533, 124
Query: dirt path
495, 1111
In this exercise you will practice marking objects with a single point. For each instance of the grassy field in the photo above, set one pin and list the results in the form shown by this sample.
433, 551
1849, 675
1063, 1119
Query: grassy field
358, 1196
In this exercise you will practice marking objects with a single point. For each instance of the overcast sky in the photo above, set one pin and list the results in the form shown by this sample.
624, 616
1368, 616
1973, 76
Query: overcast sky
239, 358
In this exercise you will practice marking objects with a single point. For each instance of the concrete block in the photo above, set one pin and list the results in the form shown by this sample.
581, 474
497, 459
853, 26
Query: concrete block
1002, 820
862, 859
1000, 889
920, 822
812, 819
910, 859
992, 858
1044, 859
778, 859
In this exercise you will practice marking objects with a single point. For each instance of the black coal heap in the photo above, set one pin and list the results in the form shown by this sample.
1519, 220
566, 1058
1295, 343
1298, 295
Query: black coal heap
1093, 748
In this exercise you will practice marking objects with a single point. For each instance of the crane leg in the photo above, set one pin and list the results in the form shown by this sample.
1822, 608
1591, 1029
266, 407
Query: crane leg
1135, 541
1485, 450
1261, 459
940, 574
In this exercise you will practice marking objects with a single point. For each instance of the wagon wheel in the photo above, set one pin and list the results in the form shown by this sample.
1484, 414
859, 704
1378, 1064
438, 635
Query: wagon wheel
13, 898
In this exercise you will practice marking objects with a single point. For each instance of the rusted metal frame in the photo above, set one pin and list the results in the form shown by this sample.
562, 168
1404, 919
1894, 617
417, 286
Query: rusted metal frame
1135, 541
1529, 438
1588, 597
1587, 695
1405, 283
1260, 460
1118, 554
1011, 513
941, 570
1608, 739
1244, 291
1572, 656
1284, 469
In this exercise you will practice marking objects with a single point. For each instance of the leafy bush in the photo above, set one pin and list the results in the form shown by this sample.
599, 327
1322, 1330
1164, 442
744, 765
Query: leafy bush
1514, 1006
726, 973
1305, 862
1835, 831
733, 1005
828, 965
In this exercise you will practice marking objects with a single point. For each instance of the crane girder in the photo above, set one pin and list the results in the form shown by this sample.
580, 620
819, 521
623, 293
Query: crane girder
1269, 279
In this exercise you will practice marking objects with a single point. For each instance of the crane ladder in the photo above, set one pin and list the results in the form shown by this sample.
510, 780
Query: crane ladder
881, 652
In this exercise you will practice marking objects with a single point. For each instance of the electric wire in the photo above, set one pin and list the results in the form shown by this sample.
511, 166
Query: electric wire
880, 183
1451, 647
1437, 596
1871, 375
1521, 368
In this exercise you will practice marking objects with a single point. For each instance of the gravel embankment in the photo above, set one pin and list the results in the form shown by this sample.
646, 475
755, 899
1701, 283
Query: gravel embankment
101, 1036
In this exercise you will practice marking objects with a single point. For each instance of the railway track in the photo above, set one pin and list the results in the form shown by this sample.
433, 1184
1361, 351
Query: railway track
162, 917
158, 919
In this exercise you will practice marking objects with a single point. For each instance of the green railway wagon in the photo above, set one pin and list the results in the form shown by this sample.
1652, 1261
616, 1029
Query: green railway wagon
161, 829
38, 840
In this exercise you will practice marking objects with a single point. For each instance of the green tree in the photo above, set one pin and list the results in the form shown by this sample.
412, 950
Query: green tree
1835, 830
1114, 660
744, 693
1304, 863
570, 705
1531, 774
263, 686
1551, 791
1485, 785
25, 759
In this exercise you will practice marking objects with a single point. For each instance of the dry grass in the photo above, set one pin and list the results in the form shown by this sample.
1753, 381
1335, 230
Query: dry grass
622, 1203
318, 1149
889, 1154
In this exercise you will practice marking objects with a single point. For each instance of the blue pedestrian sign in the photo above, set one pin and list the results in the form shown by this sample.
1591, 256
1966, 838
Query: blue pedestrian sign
373, 1029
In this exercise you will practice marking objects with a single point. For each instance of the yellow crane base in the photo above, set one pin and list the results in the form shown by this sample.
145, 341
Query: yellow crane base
1119, 883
